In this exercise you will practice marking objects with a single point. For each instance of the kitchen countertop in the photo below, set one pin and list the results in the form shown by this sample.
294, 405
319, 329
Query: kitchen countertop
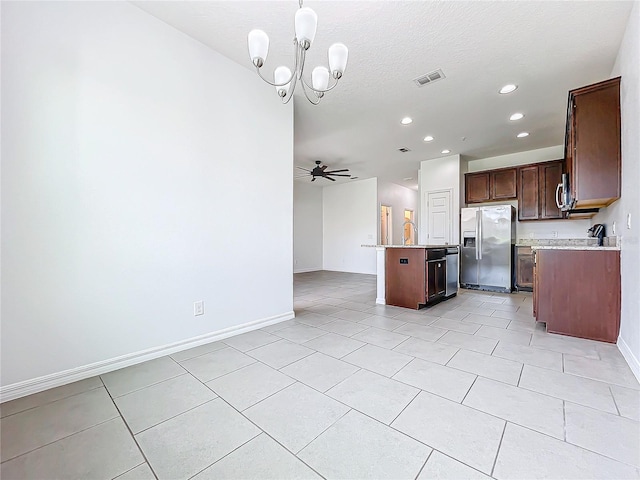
571, 247
412, 246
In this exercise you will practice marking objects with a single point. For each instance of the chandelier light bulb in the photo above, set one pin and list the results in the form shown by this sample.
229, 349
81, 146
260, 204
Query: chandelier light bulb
320, 78
281, 75
306, 22
258, 42
338, 56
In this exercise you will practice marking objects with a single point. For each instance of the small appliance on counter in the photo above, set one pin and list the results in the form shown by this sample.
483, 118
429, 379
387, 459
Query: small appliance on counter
597, 231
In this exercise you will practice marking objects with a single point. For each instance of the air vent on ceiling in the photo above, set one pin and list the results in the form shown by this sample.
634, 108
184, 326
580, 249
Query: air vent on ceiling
430, 77
404, 149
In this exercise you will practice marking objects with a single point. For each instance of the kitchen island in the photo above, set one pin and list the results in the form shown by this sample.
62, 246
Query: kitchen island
413, 276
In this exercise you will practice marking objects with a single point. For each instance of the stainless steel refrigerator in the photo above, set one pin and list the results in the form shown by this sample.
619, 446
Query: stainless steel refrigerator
486, 251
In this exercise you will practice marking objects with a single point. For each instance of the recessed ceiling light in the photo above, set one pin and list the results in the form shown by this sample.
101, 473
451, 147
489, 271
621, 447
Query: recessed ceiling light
446, 151
523, 134
428, 138
508, 88
516, 116
406, 120
406, 179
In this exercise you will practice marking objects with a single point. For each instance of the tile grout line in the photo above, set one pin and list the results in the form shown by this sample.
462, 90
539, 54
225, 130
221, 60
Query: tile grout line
614, 401
520, 376
564, 421
59, 439
495, 460
250, 421
133, 437
470, 387
50, 402
424, 464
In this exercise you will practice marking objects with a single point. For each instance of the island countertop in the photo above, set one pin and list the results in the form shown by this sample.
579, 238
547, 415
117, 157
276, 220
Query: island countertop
413, 246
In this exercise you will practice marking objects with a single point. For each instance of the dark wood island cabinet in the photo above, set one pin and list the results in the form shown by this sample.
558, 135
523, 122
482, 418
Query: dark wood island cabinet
415, 276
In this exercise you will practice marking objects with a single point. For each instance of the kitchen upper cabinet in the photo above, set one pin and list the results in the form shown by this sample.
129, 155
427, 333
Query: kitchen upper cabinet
491, 185
504, 184
529, 199
537, 186
550, 178
477, 187
592, 144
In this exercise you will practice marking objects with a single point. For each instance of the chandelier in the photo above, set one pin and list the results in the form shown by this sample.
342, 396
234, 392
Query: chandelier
284, 80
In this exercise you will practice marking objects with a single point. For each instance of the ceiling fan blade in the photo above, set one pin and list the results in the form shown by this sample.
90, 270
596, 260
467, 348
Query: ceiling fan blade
313, 179
336, 171
338, 175
303, 169
324, 167
329, 178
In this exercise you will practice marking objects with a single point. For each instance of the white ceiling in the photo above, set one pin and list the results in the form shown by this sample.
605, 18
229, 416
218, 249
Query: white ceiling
547, 48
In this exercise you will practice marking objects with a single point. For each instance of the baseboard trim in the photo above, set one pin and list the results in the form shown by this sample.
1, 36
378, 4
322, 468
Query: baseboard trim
35, 385
305, 270
628, 355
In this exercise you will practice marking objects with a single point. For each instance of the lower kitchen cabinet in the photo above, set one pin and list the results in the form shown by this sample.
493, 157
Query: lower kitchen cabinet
524, 269
414, 277
577, 292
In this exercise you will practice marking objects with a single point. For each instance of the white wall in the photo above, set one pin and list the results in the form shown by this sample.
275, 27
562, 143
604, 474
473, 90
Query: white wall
440, 174
350, 219
133, 184
628, 66
307, 227
539, 229
399, 198
520, 158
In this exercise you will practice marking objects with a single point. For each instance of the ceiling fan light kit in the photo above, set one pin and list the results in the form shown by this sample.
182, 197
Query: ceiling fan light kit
284, 80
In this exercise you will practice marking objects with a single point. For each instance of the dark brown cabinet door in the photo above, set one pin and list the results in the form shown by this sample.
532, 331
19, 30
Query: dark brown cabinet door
524, 268
504, 184
436, 279
528, 201
404, 271
594, 143
477, 187
550, 177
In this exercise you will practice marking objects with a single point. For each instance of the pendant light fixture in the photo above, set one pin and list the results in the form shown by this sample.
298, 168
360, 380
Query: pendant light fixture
284, 80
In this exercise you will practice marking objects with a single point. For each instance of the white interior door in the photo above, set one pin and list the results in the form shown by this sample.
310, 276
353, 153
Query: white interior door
440, 226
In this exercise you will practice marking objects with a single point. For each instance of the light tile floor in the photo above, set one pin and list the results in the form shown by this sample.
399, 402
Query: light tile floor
469, 388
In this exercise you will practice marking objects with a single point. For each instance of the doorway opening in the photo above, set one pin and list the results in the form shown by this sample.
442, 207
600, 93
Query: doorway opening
409, 230
386, 233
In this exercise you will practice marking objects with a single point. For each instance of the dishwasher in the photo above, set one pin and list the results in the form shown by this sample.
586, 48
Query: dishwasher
452, 272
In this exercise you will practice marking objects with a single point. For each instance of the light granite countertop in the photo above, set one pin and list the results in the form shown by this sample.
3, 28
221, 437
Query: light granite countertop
412, 246
571, 247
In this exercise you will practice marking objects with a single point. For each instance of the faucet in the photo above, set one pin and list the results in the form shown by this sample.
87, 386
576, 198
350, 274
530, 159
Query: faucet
415, 231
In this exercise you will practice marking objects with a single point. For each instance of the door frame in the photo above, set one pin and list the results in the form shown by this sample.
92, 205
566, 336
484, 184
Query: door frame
389, 224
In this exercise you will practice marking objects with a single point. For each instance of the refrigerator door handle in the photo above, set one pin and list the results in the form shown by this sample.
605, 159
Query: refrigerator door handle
479, 241
477, 235
562, 196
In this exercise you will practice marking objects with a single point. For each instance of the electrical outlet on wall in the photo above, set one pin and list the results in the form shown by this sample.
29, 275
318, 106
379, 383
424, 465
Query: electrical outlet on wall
198, 308
554, 234
613, 228
628, 221
532, 235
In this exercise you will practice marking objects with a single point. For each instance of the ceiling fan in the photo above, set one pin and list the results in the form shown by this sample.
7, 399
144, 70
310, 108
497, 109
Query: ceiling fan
321, 171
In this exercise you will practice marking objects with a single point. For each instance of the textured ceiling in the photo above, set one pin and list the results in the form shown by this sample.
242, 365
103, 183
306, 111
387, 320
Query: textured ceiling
547, 48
